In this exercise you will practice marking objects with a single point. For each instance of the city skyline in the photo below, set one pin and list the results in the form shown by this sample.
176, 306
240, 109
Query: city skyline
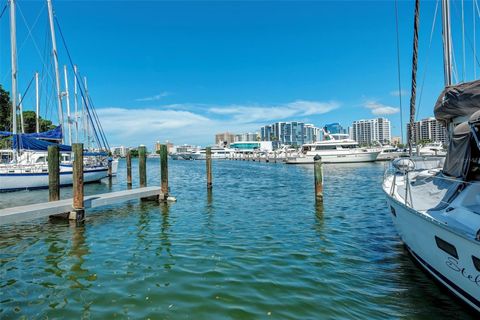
185, 71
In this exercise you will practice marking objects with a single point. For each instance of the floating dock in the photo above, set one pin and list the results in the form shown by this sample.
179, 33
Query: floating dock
39, 210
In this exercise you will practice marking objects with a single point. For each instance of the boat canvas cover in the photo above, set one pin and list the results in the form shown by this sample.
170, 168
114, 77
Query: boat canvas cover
21, 141
457, 162
54, 134
457, 101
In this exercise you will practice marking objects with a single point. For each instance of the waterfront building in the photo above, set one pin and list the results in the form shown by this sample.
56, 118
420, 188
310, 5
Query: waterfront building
224, 139
292, 133
428, 129
335, 128
367, 132
120, 151
170, 147
249, 136
253, 145
396, 140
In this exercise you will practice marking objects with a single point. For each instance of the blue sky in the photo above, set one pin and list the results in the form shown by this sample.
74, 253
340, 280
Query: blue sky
183, 71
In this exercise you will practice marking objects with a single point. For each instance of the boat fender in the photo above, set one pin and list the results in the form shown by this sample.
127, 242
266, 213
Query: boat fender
403, 165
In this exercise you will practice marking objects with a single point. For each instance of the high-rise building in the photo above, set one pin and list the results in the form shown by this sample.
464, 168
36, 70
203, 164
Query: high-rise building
248, 136
428, 129
371, 131
224, 139
293, 133
119, 151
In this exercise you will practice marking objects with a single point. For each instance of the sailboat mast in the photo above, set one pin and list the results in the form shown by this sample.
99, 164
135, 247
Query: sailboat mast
447, 42
67, 96
55, 60
37, 104
13, 44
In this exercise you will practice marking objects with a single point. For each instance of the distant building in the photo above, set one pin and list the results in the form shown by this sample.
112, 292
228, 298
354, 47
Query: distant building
119, 151
396, 140
290, 133
224, 139
372, 130
335, 128
250, 136
428, 129
250, 146
170, 147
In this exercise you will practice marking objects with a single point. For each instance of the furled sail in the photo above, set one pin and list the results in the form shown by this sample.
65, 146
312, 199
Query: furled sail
460, 100
54, 134
24, 142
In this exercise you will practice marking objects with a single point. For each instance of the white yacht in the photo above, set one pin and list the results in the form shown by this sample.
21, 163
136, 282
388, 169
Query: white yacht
217, 153
432, 149
390, 153
435, 201
337, 149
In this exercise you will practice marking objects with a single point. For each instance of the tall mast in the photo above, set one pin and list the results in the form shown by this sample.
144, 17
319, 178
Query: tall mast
22, 124
13, 44
69, 122
75, 94
447, 42
37, 104
87, 120
55, 60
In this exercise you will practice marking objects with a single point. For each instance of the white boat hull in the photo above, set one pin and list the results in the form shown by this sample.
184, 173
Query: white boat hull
337, 158
421, 236
25, 181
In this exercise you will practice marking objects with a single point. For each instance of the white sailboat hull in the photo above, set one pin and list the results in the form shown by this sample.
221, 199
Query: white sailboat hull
25, 181
423, 238
338, 157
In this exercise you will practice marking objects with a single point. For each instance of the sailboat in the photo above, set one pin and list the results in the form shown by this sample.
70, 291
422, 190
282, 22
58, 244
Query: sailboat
435, 202
26, 164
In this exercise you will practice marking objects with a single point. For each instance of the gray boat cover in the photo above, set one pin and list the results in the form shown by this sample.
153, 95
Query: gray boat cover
457, 162
457, 101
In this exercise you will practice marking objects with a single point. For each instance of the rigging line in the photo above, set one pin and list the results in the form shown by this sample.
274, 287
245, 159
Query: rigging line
85, 99
102, 133
26, 91
414, 73
398, 71
463, 43
474, 42
427, 60
4, 9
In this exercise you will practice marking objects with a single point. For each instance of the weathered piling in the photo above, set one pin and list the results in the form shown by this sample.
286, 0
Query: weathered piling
109, 172
275, 156
129, 169
53, 173
78, 209
164, 169
142, 166
318, 178
208, 153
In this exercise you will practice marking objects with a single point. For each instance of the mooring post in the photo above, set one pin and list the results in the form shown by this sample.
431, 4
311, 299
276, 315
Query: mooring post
208, 153
275, 156
142, 166
110, 168
53, 173
78, 212
129, 169
164, 169
318, 178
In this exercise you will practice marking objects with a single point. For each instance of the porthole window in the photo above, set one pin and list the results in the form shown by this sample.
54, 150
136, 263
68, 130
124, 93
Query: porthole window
447, 247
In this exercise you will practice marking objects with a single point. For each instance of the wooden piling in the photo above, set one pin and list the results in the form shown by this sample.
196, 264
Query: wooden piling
53, 173
129, 169
208, 153
78, 212
318, 178
142, 166
109, 172
164, 169
275, 156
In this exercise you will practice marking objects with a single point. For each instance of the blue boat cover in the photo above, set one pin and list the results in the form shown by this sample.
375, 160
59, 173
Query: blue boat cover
54, 134
23, 141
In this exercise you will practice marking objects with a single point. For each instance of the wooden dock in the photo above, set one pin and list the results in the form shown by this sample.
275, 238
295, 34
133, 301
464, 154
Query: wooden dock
34, 211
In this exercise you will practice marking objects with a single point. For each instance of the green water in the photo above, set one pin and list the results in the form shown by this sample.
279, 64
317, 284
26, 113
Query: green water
256, 248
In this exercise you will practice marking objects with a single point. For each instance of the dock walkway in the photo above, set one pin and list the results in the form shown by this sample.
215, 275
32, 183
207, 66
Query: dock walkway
38, 210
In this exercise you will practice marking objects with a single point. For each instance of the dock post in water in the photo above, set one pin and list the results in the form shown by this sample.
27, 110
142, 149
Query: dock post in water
78, 212
142, 166
164, 169
318, 178
208, 153
110, 175
53, 173
275, 156
129, 169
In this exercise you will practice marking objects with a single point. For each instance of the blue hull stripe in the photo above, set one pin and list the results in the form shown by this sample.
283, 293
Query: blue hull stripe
459, 290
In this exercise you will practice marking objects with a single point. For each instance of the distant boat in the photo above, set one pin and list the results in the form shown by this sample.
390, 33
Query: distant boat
217, 153
338, 149
390, 153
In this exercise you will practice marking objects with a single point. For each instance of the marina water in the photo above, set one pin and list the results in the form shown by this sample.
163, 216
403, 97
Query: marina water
256, 247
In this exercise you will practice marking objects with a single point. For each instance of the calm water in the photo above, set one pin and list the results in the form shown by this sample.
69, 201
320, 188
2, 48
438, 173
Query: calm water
258, 247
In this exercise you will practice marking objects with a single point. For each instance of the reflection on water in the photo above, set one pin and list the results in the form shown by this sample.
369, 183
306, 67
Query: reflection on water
260, 247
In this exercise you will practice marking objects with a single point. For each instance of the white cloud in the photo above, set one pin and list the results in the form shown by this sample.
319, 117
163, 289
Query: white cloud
380, 109
155, 97
253, 113
397, 93
182, 123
